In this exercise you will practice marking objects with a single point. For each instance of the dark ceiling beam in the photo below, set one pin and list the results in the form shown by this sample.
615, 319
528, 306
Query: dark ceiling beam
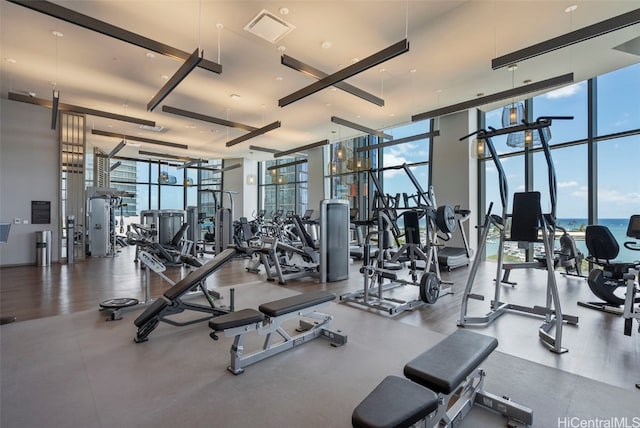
184, 70
317, 74
399, 141
255, 133
284, 165
228, 168
272, 151
351, 70
577, 36
140, 139
498, 96
297, 149
359, 127
102, 27
77, 109
165, 155
204, 118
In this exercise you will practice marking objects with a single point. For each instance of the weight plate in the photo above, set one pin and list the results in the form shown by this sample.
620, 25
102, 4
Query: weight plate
123, 302
446, 219
429, 287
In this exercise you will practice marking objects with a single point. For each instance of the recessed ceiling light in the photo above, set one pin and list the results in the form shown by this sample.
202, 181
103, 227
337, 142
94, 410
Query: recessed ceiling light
526, 82
327, 105
219, 26
333, 89
164, 77
283, 11
326, 44
355, 59
382, 70
11, 60
150, 55
279, 78
282, 48
512, 67
571, 8
190, 126
413, 70
235, 97
57, 33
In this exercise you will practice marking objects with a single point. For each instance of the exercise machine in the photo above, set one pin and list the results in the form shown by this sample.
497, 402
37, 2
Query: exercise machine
527, 224
172, 303
268, 321
613, 276
451, 257
382, 272
440, 387
603, 249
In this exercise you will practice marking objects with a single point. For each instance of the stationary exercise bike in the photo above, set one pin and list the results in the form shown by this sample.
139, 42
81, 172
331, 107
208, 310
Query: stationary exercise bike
603, 248
612, 277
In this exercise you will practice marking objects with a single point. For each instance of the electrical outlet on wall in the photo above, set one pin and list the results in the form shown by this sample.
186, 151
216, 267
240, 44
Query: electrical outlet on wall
25, 221
16, 221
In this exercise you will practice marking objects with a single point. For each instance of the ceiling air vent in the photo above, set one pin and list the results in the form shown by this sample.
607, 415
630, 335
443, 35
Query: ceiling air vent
268, 26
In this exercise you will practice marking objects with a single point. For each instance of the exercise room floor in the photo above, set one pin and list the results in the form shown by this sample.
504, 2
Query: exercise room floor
101, 368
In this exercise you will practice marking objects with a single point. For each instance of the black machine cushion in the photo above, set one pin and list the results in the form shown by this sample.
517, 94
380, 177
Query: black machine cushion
295, 303
446, 365
525, 216
151, 312
236, 319
188, 282
395, 402
601, 243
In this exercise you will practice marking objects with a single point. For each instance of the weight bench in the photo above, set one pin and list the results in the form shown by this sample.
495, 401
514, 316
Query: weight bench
171, 303
269, 319
440, 387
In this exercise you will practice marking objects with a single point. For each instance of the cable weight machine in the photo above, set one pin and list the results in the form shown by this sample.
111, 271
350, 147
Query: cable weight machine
527, 223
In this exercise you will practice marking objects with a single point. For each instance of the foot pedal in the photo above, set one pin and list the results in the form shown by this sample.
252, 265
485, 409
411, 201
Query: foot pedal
475, 296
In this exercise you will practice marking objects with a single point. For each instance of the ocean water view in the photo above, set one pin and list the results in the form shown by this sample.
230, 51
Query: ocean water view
576, 228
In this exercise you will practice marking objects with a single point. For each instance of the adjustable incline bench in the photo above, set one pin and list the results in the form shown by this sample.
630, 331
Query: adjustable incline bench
440, 387
269, 320
170, 303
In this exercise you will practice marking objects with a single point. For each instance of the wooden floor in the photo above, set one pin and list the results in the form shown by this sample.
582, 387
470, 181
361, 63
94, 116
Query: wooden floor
599, 350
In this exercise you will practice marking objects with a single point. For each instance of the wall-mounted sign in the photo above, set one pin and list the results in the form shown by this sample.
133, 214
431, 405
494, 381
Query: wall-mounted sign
40, 212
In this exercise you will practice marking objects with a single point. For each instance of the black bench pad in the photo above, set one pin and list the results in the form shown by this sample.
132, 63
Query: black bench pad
151, 312
236, 319
295, 303
443, 367
395, 402
188, 282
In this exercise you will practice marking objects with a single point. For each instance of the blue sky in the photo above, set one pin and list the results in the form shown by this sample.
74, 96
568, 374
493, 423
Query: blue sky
618, 159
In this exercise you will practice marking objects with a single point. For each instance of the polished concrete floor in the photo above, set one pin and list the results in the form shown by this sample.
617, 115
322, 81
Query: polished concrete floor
597, 347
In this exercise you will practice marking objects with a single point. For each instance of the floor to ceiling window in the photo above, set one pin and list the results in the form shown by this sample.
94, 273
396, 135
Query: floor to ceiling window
283, 185
615, 144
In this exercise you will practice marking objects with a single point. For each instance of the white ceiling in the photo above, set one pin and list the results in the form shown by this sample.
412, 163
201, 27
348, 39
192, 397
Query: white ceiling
452, 43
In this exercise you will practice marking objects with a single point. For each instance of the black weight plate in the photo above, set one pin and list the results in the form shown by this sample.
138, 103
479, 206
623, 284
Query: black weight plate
446, 219
123, 302
429, 287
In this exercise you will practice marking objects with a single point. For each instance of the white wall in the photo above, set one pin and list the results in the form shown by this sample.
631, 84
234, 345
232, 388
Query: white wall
454, 171
246, 200
29, 171
315, 184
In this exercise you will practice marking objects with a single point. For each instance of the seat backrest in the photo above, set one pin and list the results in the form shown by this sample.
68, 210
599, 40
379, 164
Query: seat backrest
633, 230
304, 236
179, 236
525, 217
601, 243
411, 227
